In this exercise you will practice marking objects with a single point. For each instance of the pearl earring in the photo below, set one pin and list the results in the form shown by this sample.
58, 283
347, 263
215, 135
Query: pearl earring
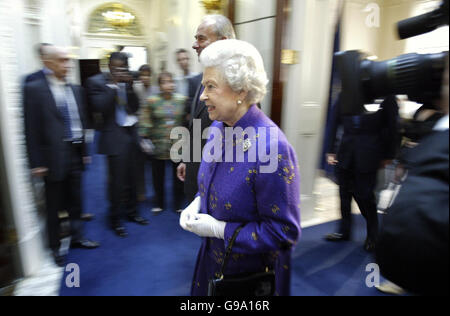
239, 102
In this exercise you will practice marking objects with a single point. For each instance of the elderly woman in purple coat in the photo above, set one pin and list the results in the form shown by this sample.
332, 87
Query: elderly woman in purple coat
248, 175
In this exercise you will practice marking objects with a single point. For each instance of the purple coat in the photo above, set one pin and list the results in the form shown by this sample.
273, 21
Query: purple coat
267, 203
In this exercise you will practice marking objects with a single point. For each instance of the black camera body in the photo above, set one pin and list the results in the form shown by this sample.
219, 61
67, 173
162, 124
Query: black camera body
417, 75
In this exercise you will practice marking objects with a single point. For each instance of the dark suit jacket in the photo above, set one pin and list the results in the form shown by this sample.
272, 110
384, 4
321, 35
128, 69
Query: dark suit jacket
362, 148
38, 75
412, 248
44, 129
198, 111
193, 84
102, 99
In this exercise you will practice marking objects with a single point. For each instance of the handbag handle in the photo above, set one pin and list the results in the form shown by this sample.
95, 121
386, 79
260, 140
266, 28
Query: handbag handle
229, 248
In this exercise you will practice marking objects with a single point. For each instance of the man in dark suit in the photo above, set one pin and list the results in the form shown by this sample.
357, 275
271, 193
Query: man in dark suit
193, 84
54, 126
43, 50
368, 143
212, 28
113, 96
41, 74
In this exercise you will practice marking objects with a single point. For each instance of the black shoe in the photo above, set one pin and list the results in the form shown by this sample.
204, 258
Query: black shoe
369, 245
85, 244
138, 219
59, 259
337, 237
87, 217
119, 230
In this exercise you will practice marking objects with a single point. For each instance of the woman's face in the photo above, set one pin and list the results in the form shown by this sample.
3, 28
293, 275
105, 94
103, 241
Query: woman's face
220, 99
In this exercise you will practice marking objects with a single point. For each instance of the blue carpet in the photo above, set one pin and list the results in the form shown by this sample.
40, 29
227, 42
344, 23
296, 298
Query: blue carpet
159, 259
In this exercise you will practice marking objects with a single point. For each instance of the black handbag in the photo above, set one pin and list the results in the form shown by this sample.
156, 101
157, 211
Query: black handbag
248, 284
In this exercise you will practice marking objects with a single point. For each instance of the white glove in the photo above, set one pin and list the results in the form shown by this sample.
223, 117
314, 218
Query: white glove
189, 212
205, 225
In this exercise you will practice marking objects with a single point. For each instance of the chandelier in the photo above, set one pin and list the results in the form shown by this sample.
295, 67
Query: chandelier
212, 5
118, 17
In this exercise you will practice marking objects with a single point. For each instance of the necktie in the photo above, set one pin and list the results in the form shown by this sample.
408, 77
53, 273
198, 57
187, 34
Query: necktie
121, 114
64, 110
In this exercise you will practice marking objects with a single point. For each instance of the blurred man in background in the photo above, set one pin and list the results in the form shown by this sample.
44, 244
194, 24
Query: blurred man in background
54, 125
112, 95
368, 143
182, 82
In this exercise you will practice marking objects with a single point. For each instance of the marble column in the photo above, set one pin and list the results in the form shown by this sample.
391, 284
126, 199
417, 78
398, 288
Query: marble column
13, 18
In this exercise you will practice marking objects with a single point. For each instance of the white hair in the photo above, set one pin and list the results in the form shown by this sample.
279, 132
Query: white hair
53, 52
221, 25
240, 64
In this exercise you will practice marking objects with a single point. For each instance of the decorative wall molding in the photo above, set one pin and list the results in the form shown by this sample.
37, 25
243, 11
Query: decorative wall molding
13, 139
33, 12
114, 36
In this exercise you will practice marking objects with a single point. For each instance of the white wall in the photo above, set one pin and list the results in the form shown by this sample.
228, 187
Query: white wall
395, 11
16, 58
311, 32
356, 32
179, 20
383, 40
260, 33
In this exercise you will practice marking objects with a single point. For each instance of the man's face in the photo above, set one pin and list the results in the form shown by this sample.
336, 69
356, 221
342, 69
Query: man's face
183, 61
205, 36
118, 69
60, 64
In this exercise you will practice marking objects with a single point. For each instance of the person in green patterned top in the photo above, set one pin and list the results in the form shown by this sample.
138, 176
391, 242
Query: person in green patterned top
159, 115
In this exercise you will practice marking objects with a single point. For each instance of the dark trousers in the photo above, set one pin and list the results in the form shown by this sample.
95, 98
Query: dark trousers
122, 183
361, 187
65, 195
190, 183
140, 175
158, 173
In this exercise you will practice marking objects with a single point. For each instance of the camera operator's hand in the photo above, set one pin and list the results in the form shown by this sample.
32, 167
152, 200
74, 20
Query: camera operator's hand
331, 159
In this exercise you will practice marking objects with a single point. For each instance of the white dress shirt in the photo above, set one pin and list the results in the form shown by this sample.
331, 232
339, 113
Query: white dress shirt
63, 93
122, 117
